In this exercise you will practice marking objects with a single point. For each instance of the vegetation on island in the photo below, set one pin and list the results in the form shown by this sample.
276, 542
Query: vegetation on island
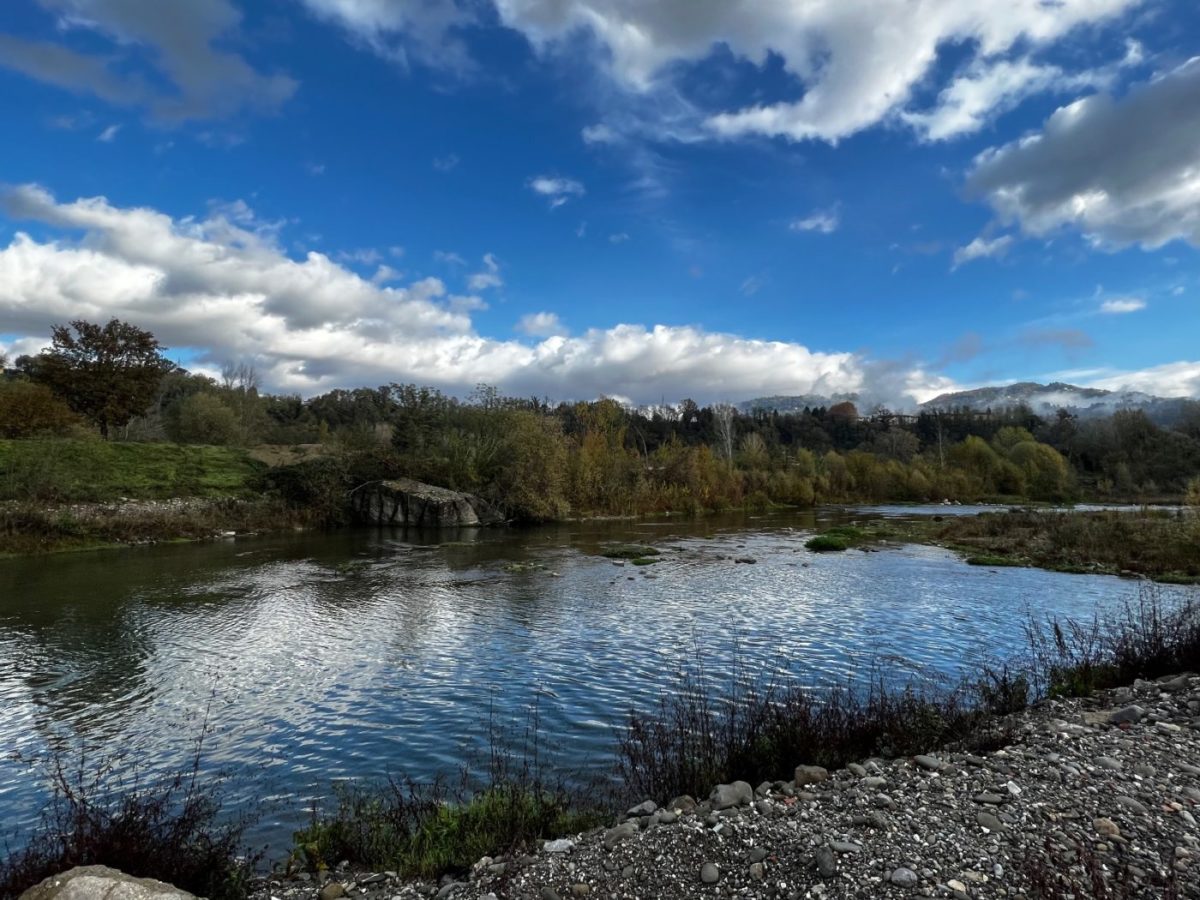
1159, 544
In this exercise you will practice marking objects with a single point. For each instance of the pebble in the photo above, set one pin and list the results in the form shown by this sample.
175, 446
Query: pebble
709, 873
904, 877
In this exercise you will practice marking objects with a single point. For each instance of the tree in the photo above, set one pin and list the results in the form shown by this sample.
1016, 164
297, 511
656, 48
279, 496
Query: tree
108, 373
204, 419
29, 410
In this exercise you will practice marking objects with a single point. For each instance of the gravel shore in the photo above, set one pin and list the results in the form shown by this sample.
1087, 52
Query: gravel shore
1092, 798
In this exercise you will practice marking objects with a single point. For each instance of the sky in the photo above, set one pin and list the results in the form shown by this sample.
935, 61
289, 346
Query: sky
643, 199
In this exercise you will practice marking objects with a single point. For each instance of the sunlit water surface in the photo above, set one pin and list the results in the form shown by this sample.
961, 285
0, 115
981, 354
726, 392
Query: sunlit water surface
364, 653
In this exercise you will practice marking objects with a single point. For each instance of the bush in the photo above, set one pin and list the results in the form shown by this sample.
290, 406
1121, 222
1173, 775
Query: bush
704, 732
32, 410
172, 830
204, 419
430, 829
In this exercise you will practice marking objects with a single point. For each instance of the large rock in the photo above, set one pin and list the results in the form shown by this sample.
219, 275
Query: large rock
102, 883
412, 503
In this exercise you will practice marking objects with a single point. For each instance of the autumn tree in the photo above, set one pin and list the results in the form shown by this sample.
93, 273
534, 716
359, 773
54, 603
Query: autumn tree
108, 373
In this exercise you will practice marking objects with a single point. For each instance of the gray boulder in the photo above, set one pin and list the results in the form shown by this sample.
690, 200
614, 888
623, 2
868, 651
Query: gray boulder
411, 503
102, 883
725, 796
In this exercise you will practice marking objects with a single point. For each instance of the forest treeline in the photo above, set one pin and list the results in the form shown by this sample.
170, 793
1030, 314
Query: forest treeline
541, 461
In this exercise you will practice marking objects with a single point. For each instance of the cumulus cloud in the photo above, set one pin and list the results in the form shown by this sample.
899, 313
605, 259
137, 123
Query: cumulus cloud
982, 248
822, 221
852, 64
1122, 305
489, 277
1121, 171
179, 41
555, 189
541, 324
224, 286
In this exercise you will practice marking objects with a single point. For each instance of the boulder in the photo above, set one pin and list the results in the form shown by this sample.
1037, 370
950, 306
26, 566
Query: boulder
102, 883
406, 502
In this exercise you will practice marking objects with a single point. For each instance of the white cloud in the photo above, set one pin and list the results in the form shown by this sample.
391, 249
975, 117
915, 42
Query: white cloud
988, 87
367, 256
448, 257
822, 221
598, 134
619, 237
852, 64
557, 190
447, 163
489, 277
109, 134
404, 31
1122, 305
179, 40
385, 274
541, 324
751, 286
227, 289
1177, 379
1122, 171
982, 248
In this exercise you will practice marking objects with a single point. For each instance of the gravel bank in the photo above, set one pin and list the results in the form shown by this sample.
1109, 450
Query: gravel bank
1093, 798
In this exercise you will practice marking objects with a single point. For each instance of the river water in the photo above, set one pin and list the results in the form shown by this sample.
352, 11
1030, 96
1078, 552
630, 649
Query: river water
312, 658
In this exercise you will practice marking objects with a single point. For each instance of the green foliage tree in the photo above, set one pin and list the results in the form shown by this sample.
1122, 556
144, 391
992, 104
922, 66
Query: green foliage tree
205, 419
31, 410
108, 373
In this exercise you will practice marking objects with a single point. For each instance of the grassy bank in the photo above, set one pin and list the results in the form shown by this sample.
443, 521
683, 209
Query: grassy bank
94, 471
1158, 544
83, 494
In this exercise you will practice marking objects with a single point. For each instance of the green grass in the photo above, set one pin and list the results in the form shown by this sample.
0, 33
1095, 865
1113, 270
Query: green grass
70, 471
420, 832
840, 537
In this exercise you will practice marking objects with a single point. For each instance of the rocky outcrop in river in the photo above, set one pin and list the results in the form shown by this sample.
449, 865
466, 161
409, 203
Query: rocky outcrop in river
406, 502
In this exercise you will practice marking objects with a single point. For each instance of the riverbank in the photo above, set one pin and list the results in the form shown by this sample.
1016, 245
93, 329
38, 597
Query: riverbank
34, 528
1092, 797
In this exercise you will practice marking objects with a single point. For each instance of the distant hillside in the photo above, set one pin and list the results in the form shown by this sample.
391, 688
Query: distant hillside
1047, 399
794, 404
1043, 399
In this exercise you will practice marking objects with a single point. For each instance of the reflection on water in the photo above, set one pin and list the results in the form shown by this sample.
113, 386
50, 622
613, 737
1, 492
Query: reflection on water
360, 653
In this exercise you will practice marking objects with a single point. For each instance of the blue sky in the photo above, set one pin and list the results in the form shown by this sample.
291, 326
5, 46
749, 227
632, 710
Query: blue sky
650, 200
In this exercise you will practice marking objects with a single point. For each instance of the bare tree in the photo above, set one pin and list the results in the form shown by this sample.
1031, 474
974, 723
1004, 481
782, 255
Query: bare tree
241, 376
723, 414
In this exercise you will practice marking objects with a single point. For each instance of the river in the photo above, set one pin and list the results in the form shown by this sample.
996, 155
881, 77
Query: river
310, 658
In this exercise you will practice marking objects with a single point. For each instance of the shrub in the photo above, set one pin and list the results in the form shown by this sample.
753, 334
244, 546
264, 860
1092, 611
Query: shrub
172, 830
32, 410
